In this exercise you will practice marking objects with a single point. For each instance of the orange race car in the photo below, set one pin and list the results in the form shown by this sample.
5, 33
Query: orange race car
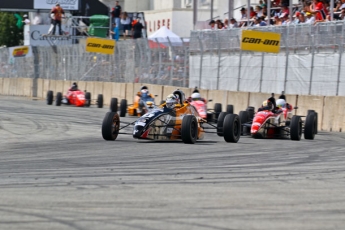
176, 119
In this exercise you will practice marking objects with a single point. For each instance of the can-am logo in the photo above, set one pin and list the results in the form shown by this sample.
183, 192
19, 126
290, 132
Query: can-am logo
62, 2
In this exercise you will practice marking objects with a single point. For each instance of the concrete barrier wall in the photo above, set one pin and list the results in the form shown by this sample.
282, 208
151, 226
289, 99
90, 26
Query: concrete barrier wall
330, 109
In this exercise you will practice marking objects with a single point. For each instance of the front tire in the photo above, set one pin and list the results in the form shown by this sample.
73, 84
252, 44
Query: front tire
189, 129
123, 107
232, 128
296, 128
100, 101
244, 118
110, 126
87, 99
58, 99
50, 97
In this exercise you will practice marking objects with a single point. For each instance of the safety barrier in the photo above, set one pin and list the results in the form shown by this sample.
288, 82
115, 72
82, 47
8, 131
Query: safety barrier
330, 109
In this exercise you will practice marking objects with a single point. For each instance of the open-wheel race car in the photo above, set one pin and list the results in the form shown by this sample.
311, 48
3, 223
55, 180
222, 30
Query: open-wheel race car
211, 115
275, 119
173, 120
74, 96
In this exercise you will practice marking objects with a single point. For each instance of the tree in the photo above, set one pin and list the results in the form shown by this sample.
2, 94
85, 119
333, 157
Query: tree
10, 34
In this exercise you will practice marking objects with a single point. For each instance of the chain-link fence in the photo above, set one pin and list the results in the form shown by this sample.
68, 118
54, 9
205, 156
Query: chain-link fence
310, 61
139, 60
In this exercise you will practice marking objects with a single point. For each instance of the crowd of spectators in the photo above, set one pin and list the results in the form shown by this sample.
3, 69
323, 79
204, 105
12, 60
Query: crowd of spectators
307, 12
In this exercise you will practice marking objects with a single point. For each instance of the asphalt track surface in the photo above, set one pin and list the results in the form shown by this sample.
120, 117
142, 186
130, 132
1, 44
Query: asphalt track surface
58, 173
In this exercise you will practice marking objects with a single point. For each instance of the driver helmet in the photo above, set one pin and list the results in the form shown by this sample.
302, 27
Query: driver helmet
196, 97
144, 91
266, 103
171, 101
74, 86
281, 103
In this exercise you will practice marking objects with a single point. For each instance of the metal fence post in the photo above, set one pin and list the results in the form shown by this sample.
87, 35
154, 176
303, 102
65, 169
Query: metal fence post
262, 69
312, 63
218, 68
286, 63
201, 57
172, 62
341, 50
239, 69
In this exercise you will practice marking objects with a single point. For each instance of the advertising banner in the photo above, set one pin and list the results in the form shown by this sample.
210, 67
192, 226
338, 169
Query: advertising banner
20, 51
260, 41
33, 35
100, 45
49, 4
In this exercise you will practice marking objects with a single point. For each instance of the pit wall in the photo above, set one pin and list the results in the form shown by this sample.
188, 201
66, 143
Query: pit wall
330, 109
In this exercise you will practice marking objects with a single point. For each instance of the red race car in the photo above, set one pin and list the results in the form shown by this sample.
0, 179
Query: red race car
74, 96
275, 119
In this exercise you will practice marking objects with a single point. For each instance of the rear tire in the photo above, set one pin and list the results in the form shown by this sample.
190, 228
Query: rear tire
100, 101
230, 109
317, 119
113, 105
87, 99
232, 128
244, 118
189, 129
217, 109
220, 123
310, 126
296, 128
58, 99
123, 107
50, 97
110, 126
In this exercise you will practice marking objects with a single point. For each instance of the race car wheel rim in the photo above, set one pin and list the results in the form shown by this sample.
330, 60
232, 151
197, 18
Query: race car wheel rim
115, 126
193, 129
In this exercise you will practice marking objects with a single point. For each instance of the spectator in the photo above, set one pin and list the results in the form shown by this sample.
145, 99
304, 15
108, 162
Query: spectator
58, 12
115, 32
136, 28
126, 22
342, 14
258, 21
213, 25
284, 10
310, 18
277, 21
296, 18
252, 12
259, 11
26, 20
220, 24
243, 13
285, 19
37, 19
301, 19
226, 23
233, 23
319, 9
116, 12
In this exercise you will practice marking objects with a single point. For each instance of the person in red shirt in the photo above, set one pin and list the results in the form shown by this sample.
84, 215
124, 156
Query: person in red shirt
58, 12
319, 9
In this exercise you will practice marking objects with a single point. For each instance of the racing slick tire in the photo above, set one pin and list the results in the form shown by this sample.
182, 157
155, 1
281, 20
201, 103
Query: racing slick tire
251, 111
232, 128
230, 109
317, 120
113, 105
296, 128
100, 101
58, 99
110, 126
189, 129
87, 99
220, 123
310, 126
50, 97
217, 109
244, 118
123, 107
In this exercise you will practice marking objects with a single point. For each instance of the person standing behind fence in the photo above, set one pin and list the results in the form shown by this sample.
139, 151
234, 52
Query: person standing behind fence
136, 28
115, 32
58, 12
116, 13
126, 23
